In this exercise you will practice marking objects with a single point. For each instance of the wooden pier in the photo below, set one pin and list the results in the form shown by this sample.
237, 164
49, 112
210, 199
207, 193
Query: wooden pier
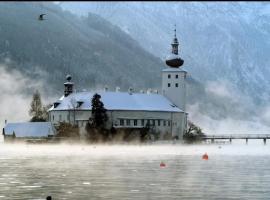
246, 137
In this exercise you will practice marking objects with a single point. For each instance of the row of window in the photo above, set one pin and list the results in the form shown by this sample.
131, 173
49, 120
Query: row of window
176, 76
134, 122
143, 122
60, 118
176, 85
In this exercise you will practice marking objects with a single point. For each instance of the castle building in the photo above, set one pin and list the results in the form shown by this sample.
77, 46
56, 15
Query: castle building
165, 112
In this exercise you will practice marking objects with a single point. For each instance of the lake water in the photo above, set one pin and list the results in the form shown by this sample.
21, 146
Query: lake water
119, 172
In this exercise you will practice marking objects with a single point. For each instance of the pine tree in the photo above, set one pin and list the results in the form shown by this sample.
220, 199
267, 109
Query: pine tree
98, 112
36, 108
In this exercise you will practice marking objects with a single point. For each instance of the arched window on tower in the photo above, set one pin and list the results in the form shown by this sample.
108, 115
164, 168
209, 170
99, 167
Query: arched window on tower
169, 76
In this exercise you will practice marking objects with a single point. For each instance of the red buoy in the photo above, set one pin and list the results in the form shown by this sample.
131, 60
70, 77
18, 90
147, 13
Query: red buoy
162, 164
205, 156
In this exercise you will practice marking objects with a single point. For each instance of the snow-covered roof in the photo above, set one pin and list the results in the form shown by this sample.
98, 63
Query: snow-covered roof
171, 69
119, 101
172, 56
30, 129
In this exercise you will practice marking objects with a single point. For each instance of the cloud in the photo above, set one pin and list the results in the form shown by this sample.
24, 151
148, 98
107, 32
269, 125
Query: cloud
219, 88
242, 115
225, 89
227, 125
16, 94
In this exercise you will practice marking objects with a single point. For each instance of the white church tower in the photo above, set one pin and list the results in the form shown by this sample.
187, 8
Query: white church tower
173, 78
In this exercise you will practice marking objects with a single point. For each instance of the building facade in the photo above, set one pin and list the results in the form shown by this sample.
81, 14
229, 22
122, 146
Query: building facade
28, 130
164, 113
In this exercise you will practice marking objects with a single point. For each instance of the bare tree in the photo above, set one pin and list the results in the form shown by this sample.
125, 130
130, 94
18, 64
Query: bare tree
37, 111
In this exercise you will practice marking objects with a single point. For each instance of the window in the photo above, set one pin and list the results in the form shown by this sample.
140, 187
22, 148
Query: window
121, 122
60, 117
135, 122
142, 122
169, 76
169, 85
53, 117
148, 122
176, 84
176, 76
128, 122
164, 123
158, 122
153, 122
169, 123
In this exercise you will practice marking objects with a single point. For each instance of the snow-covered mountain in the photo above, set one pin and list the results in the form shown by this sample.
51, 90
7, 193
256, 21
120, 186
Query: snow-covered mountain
225, 40
225, 45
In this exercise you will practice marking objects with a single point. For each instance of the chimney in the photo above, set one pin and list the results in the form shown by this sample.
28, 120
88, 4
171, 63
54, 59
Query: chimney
130, 90
117, 89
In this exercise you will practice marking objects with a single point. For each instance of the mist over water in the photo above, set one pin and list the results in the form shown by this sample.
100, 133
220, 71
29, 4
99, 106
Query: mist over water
233, 171
238, 147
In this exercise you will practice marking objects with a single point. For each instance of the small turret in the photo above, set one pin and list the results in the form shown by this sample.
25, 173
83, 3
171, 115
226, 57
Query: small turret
68, 85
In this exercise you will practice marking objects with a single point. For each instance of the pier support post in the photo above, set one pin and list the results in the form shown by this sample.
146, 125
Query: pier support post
230, 140
212, 140
246, 140
264, 141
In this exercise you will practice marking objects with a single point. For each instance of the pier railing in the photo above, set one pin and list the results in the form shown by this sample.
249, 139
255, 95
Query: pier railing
230, 137
237, 136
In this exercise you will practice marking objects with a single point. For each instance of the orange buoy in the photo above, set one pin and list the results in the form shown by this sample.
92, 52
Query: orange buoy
162, 164
205, 156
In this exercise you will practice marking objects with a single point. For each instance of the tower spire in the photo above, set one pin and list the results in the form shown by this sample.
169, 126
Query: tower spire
173, 60
175, 42
174, 30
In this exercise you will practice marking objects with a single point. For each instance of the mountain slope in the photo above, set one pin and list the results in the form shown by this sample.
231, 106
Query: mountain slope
218, 40
92, 50
224, 46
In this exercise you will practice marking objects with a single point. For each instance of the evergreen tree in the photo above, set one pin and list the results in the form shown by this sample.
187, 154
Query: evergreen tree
99, 115
36, 108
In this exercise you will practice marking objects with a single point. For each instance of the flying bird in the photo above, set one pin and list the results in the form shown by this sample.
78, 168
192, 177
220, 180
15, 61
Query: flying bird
41, 17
